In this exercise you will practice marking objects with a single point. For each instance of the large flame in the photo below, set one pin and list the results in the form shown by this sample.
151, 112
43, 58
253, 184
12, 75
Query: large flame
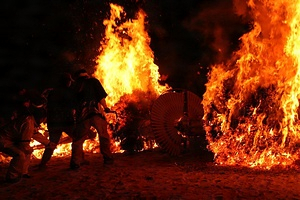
251, 103
126, 69
126, 61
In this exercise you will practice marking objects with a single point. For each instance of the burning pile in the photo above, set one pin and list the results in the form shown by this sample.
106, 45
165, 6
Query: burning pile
251, 103
125, 67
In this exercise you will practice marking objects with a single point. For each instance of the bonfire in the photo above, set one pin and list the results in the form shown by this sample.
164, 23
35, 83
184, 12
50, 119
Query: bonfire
252, 101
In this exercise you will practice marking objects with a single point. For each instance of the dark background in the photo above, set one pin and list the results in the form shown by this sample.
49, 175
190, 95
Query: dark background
40, 39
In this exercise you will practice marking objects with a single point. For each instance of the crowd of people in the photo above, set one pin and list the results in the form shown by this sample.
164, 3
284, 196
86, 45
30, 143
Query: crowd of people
73, 107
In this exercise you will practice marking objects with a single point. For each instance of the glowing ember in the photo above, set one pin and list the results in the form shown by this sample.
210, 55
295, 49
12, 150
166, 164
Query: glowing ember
251, 103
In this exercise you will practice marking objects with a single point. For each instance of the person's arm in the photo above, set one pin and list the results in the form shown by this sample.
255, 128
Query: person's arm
104, 105
101, 95
40, 138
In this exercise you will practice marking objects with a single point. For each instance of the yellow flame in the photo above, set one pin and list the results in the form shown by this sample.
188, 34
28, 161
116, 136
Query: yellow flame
253, 99
125, 65
126, 61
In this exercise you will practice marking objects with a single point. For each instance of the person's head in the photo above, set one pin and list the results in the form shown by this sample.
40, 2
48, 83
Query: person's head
65, 79
81, 73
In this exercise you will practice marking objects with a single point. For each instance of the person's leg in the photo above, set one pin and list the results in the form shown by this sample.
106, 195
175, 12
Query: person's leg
54, 137
105, 150
100, 125
26, 129
26, 166
80, 135
16, 165
69, 130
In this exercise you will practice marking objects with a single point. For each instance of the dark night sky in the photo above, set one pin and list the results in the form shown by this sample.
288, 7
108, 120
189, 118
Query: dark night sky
42, 38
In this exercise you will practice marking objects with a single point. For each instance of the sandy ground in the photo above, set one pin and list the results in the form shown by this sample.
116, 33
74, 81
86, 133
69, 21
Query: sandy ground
151, 175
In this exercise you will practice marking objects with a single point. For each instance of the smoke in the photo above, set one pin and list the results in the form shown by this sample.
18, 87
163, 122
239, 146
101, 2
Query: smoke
241, 9
44, 39
220, 24
188, 37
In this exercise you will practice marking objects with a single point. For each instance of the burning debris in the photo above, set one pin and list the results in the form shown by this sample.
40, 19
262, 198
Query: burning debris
251, 103
128, 73
132, 135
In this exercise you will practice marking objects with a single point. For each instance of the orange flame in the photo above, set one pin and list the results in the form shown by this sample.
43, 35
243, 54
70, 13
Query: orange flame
126, 69
126, 62
251, 103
